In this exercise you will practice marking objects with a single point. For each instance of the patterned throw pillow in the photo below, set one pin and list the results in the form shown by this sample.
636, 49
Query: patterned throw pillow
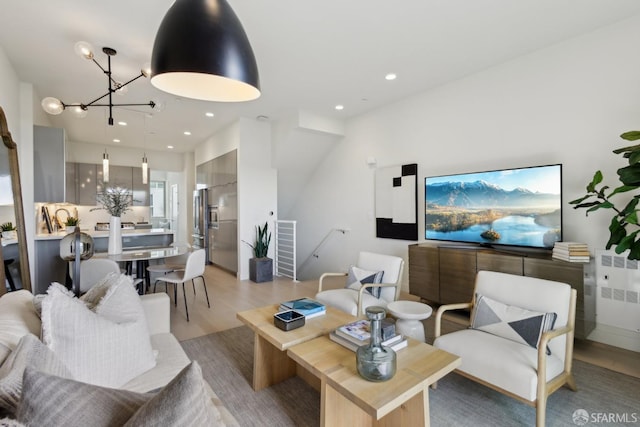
359, 277
30, 352
51, 400
511, 322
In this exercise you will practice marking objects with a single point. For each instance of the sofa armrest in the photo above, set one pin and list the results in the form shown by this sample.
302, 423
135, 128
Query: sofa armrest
444, 308
157, 311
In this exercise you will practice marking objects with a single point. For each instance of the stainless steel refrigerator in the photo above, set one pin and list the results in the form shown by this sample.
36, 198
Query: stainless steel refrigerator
199, 231
222, 221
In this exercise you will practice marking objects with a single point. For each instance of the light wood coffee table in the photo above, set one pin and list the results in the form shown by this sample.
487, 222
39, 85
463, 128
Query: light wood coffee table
271, 364
349, 400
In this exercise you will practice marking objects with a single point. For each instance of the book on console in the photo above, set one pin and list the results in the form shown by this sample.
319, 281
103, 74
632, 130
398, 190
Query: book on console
307, 306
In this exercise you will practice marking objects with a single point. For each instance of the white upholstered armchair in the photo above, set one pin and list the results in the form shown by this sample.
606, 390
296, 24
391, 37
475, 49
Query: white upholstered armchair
360, 295
520, 342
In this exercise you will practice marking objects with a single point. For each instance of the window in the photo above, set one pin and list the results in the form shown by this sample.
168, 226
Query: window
157, 199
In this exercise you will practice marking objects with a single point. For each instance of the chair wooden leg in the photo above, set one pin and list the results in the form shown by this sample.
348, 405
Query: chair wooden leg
571, 383
184, 294
541, 411
205, 291
193, 284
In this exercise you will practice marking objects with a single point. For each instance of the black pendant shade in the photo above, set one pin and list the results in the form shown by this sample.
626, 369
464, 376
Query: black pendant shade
202, 52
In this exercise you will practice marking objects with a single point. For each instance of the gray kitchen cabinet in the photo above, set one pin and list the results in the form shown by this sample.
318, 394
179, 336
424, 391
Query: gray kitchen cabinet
70, 183
49, 165
140, 191
81, 183
86, 189
219, 171
121, 176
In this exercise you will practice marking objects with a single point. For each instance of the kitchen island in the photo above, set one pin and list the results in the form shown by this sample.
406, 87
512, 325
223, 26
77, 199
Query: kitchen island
49, 267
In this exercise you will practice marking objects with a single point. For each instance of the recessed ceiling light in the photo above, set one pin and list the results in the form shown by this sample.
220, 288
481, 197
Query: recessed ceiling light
209, 114
170, 147
116, 140
122, 123
339, 107
186, 132
391, 76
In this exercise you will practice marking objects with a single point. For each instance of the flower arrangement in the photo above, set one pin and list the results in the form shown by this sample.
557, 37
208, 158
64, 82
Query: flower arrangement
115, 200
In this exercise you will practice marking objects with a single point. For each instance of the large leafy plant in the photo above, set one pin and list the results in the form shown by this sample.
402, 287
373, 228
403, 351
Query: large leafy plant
263, 239
624, 227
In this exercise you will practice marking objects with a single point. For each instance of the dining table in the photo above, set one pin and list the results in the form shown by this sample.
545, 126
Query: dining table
142, 256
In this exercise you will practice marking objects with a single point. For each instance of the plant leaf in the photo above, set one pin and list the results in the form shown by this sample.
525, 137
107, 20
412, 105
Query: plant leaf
580, 200
634, 251
630, 175
634, 157
627, 242
597, 179
632, 135
617, 231
600, 205
623, 189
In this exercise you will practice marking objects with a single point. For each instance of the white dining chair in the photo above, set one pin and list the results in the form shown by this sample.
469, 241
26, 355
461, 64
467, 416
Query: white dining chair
170, 264
193, 269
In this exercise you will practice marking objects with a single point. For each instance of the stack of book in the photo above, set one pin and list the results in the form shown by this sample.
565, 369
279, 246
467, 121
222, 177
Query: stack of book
356, 334
571, 251
306, 306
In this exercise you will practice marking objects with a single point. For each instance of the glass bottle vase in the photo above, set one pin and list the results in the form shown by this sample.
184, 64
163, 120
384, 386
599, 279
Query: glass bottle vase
374, 361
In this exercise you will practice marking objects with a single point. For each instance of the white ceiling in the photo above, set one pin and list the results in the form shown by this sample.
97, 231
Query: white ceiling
311, 54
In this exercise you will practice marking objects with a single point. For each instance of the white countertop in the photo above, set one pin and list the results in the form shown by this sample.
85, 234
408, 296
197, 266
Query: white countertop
96, 234
7, 242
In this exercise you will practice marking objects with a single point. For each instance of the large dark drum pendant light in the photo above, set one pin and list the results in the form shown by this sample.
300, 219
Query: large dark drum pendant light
202, 52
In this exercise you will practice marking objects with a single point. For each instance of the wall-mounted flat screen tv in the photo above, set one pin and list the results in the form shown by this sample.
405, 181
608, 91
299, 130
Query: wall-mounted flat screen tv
516, 207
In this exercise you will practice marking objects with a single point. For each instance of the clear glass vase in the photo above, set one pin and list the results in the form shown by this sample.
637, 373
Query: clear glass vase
376, 362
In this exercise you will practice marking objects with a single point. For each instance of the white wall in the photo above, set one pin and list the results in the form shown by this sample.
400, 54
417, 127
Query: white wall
257, 189
16, 99
565, 104
257, 180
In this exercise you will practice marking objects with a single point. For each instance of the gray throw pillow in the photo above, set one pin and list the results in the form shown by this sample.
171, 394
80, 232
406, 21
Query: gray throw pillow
48, 400
29, 352
183, 402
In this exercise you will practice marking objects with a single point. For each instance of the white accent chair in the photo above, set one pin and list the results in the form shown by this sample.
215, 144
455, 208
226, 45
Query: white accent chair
517, 370
193, 269
355, 302
93, 270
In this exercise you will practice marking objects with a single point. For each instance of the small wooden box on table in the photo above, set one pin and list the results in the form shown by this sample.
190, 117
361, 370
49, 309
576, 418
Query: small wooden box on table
271, 364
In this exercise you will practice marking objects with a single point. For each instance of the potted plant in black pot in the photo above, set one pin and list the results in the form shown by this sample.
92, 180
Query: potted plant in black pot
261, 266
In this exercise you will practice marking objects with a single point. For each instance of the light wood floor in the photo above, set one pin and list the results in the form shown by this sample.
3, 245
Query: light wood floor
229, 295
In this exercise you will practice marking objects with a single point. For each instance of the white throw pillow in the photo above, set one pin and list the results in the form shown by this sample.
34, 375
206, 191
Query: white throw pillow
108, 347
